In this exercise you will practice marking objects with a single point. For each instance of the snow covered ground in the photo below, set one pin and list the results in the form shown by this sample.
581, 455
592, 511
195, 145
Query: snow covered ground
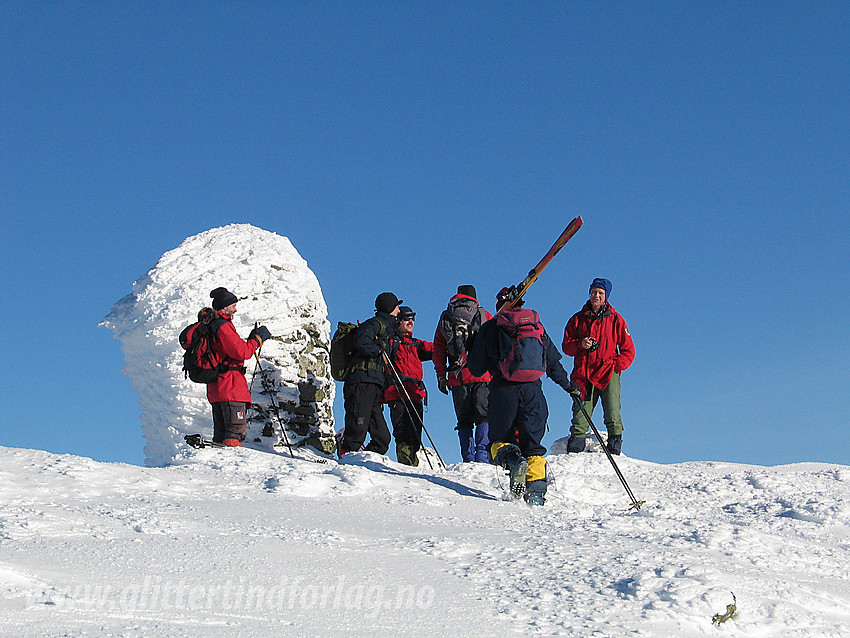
243, 543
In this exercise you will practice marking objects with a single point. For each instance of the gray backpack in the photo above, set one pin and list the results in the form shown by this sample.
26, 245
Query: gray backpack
460, 321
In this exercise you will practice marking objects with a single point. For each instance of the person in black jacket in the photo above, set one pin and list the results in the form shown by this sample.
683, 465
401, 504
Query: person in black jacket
364, 386
518, 411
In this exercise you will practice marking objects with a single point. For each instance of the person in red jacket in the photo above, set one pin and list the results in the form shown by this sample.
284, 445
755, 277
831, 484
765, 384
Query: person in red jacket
599, 339
406, 406
229, 394
460, 322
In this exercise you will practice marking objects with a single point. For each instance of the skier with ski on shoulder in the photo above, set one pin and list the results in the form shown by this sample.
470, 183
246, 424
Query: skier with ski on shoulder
407, 403
364, 386
229, 394
458, 324
599, 339
515, 348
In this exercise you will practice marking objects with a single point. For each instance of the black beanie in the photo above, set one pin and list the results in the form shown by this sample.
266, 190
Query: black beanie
222, 298
387, 302
467, 290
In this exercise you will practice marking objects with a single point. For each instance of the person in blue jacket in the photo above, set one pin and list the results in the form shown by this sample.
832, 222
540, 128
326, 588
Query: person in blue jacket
518, 411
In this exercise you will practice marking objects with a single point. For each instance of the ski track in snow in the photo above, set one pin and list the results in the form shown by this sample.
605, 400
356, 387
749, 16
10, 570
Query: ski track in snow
106, 549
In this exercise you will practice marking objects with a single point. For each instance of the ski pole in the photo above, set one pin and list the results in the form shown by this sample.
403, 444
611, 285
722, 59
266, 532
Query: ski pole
635, 503
268, 389
254, 373
400, 386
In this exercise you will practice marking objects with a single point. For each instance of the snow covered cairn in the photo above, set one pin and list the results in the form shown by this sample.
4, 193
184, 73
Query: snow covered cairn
276, 288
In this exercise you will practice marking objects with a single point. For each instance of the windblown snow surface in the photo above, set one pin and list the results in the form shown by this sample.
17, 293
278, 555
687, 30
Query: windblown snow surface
238, 542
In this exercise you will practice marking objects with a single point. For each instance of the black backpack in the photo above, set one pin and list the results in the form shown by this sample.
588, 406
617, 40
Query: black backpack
200, 363
458, 323
342, 350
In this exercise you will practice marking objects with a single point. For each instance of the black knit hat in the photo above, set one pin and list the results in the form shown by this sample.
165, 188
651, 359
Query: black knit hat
406, 312
387, 302
222, 298
467, 290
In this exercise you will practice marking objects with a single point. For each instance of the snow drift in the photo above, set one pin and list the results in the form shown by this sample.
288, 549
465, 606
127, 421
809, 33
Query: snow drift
277, 289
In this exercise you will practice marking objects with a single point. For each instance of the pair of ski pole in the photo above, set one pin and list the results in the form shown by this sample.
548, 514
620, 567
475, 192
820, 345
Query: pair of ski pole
408, 405
269, 390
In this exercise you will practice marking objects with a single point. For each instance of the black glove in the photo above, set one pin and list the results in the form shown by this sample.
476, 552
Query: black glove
443, 385
573, 389
260, 334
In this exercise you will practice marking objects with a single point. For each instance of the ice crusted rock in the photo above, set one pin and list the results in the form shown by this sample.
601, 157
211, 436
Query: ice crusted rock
276, 288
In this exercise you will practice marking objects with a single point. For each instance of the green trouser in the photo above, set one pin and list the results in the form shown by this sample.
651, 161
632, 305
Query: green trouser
610, 397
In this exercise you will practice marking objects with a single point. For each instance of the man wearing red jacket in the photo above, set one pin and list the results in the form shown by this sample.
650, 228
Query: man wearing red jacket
406, 406
599, 339
229, 394
470, 394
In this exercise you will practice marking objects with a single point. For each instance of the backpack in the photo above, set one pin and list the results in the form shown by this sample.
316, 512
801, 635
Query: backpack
343, 355
200, 363
460, 321
342, 350
522, 354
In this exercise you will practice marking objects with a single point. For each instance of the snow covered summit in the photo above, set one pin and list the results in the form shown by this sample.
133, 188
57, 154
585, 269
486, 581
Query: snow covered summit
276, 288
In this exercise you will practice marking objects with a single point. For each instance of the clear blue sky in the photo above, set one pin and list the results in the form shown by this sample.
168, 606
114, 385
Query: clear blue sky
417, 146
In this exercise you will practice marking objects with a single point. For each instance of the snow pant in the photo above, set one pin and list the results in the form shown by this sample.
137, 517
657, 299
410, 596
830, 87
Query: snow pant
474, 442
610, 398
364, 414
518, 414
407, 430
470, 403
229, 420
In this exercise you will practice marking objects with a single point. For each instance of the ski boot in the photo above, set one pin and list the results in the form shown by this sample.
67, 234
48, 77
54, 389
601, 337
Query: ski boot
575, 444
535, 492
615, 443
535, 499
510, 458
405, 454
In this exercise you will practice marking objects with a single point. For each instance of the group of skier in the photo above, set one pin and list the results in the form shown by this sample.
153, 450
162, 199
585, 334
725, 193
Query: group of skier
491, 366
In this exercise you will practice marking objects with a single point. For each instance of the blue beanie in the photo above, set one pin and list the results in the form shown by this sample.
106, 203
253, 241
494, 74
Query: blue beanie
599, 282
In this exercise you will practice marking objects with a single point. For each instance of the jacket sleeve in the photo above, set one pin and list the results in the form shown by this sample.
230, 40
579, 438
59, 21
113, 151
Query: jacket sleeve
365, 341
424, 349
481, 360
439, 353
571, 345
554, 369
231, 344
625, 345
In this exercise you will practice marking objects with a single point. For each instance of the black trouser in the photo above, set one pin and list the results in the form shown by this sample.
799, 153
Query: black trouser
229, 420
407, 423
470, 401
364, 414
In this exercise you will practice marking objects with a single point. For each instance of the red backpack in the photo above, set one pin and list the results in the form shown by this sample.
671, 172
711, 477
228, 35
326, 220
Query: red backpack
523, 356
